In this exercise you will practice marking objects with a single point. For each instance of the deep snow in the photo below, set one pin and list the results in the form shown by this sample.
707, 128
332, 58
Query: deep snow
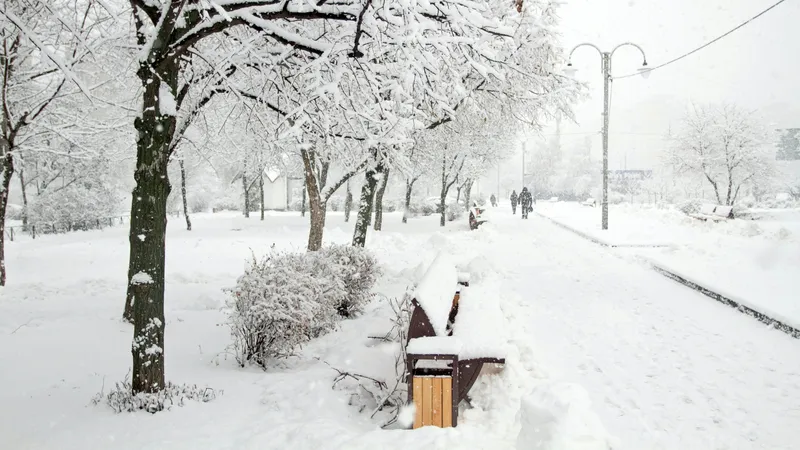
663, 366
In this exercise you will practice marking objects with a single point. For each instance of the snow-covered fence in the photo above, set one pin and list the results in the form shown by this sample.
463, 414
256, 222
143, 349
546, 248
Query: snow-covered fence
40, 228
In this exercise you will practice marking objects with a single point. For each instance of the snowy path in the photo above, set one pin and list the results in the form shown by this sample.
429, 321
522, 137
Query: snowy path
666, 367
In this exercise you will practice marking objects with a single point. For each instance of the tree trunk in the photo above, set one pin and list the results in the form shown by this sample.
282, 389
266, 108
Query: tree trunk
8, 171
458, 193
303, 203
316, 204
246, 191
409, 188
148, 229
442, 197
348, 203
728, 197
261, 190
467, 193
365, 207
379, 200
24, 198
183, 196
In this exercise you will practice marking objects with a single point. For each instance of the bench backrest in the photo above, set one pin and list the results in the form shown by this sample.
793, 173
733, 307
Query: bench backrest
707, 209
724, 211
434, 293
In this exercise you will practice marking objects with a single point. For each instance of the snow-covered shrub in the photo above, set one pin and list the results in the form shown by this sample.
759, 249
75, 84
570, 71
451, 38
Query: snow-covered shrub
691, 206
358, 270
427, 209
454, 212
278, 304
81, 206
481, 200
121, 398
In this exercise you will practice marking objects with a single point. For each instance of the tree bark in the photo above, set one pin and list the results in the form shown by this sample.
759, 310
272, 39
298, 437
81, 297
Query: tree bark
183, 196
303, 202
246, 191
379, 200
8, 171
316, 204
261, 190
24, 198
348, 203
365, 207
467, 193
148, 228
409, 188
442, 197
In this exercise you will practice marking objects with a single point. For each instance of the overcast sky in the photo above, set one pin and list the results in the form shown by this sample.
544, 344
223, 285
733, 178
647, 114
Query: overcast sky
757, 67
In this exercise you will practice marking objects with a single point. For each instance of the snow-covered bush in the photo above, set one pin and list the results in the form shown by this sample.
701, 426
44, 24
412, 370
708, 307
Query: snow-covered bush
358, 271
287, 299
278, 304
121, 398
691, 206
230, 199
79, 206
454, 212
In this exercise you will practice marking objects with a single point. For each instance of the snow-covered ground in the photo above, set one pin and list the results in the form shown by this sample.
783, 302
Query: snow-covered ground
756, 262
590, 332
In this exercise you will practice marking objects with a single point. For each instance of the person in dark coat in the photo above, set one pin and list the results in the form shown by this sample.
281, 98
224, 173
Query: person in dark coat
514, 201
493, 200
526, 202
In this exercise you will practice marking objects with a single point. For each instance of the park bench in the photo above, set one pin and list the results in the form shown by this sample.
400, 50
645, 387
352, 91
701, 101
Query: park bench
451, 336
589, 202
713, 212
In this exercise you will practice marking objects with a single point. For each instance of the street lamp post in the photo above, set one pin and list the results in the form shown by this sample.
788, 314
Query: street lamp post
606, 67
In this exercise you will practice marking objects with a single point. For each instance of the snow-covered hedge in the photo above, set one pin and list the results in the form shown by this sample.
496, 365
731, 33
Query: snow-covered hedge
287, 299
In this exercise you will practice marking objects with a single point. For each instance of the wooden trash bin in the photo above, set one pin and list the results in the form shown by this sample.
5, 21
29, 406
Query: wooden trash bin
434, 390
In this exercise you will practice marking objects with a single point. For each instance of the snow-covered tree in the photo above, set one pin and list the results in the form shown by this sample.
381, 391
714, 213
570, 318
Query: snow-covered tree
49, 57
396, 51
726, 146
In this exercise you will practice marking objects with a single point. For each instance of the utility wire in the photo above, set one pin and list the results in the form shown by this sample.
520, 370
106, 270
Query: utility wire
707, 43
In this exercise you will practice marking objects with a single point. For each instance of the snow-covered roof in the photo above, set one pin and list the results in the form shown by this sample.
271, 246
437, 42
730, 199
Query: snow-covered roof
272, 174
435, 292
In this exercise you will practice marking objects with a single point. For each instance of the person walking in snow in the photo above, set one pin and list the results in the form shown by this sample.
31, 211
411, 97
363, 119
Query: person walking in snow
493, 200
514, 201
525, 200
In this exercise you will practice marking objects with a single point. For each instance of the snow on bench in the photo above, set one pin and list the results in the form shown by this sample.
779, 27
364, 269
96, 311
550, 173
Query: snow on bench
435, 291
479, 326
434, 345
713, 212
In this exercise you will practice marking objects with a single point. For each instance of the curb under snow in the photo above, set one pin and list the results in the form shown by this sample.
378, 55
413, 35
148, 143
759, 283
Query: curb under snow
597, 240
738, 305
